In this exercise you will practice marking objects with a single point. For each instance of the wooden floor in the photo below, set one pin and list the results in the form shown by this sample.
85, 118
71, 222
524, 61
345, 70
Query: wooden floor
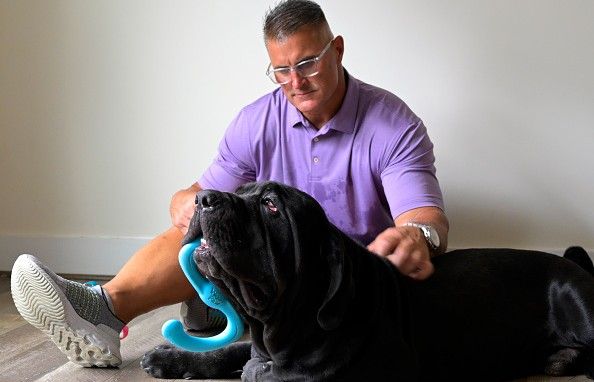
28, 355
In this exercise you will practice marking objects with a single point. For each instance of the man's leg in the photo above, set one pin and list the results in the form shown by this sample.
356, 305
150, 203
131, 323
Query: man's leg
152, 278
85, 322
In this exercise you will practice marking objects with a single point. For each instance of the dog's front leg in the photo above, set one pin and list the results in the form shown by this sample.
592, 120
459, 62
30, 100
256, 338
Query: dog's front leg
258, 370
169, 362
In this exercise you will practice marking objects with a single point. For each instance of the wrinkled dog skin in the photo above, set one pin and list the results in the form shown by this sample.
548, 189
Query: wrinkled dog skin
321, 307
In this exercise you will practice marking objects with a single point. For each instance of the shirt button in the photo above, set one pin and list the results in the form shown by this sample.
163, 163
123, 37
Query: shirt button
316, 159
316, 139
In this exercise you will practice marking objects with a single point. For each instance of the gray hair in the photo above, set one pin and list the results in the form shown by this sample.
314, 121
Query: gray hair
287, 16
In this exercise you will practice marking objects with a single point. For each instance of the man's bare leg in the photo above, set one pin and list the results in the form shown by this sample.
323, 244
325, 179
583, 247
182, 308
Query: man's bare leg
152, 278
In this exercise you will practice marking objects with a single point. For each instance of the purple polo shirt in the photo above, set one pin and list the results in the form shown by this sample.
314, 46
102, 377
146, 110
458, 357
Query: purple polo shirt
371, 162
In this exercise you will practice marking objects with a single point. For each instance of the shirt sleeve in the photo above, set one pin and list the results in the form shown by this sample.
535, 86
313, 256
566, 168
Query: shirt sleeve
409, 175
233, 164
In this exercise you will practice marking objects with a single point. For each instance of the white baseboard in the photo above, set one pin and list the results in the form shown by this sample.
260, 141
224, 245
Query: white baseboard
74, 255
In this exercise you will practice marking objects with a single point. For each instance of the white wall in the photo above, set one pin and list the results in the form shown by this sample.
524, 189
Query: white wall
108, 107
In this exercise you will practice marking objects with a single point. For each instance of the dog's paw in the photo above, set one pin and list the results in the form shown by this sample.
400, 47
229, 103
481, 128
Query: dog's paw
166, 362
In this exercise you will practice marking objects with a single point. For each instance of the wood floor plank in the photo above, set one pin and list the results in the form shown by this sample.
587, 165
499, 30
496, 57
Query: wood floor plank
75, 373
6, 303
19, 340
33, 363
4, 282
544, 378
9, 316
10, 322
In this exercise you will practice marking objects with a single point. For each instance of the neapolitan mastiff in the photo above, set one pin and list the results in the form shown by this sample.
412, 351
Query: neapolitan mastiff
321, 307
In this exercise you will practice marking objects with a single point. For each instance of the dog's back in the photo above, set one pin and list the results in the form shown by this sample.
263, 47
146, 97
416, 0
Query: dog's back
502, 311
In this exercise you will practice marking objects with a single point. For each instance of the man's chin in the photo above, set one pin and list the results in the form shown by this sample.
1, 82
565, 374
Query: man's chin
304, 105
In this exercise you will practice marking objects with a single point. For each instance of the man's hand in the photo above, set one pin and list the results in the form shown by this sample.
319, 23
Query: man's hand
182, 207
407, 249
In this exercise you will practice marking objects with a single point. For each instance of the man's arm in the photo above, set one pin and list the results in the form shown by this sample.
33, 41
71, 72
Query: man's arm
182, 206
406, 247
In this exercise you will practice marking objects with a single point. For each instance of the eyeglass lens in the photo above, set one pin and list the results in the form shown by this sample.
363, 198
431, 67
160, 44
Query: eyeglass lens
306, 68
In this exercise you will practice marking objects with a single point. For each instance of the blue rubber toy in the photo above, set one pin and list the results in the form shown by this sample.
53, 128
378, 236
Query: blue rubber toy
173, 330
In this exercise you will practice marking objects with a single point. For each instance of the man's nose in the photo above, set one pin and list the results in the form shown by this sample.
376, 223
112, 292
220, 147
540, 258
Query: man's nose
296, 79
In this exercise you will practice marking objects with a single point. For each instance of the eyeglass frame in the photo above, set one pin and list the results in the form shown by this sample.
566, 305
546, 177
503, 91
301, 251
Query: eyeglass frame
270, 72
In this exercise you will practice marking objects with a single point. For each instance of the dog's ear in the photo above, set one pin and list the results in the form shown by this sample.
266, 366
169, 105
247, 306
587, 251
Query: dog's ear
340, 287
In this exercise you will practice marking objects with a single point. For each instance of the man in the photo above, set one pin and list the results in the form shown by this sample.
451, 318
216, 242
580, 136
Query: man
359, 150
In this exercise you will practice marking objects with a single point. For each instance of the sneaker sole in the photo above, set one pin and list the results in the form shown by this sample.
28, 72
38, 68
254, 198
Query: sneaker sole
42, 303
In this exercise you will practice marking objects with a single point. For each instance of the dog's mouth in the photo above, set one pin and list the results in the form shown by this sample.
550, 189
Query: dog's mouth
249, 291
203, 250
203, 257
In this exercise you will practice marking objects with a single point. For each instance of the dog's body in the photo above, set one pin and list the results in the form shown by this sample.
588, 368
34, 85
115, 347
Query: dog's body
321, 307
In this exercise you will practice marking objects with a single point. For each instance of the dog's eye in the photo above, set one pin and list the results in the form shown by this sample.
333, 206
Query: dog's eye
270, 205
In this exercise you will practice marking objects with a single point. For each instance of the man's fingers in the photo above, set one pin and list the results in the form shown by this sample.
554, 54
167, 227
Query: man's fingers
405, 262
383, 246
415, 265
423, 271
405, 249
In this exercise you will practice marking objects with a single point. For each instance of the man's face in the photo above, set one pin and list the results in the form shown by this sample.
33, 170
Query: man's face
314, 95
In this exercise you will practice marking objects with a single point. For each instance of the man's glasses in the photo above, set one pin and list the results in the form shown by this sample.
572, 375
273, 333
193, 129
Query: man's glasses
305, 68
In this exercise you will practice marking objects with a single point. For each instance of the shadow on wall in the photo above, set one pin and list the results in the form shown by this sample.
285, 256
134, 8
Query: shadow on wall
477, 221
475, 225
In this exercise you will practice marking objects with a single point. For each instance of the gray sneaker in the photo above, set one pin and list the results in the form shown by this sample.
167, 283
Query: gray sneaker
197, 317
74, 316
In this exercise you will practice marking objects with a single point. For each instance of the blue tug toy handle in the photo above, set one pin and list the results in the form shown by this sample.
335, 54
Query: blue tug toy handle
173, 330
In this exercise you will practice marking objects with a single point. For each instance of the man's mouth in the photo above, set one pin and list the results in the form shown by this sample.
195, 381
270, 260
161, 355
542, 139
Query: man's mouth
302, 94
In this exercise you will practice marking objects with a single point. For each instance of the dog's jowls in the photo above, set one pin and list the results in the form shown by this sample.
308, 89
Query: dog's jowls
321, 307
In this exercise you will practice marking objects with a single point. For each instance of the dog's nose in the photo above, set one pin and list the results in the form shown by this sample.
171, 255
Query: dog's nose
208, 198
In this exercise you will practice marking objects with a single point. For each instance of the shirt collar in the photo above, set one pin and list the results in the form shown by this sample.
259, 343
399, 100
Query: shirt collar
294, 116
343, 121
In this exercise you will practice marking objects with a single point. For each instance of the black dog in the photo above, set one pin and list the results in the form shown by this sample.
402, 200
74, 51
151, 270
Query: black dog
320, 307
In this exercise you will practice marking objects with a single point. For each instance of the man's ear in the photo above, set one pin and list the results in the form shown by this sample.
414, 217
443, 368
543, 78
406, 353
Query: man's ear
340, 286
339, 44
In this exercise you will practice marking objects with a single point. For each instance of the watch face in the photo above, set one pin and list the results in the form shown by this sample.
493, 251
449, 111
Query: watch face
434, 237
431, 235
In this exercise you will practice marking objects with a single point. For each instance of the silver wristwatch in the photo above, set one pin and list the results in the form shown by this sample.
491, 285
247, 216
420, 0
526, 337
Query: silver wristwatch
429, 233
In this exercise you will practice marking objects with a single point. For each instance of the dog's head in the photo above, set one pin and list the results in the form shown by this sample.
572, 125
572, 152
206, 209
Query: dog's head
270, 249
